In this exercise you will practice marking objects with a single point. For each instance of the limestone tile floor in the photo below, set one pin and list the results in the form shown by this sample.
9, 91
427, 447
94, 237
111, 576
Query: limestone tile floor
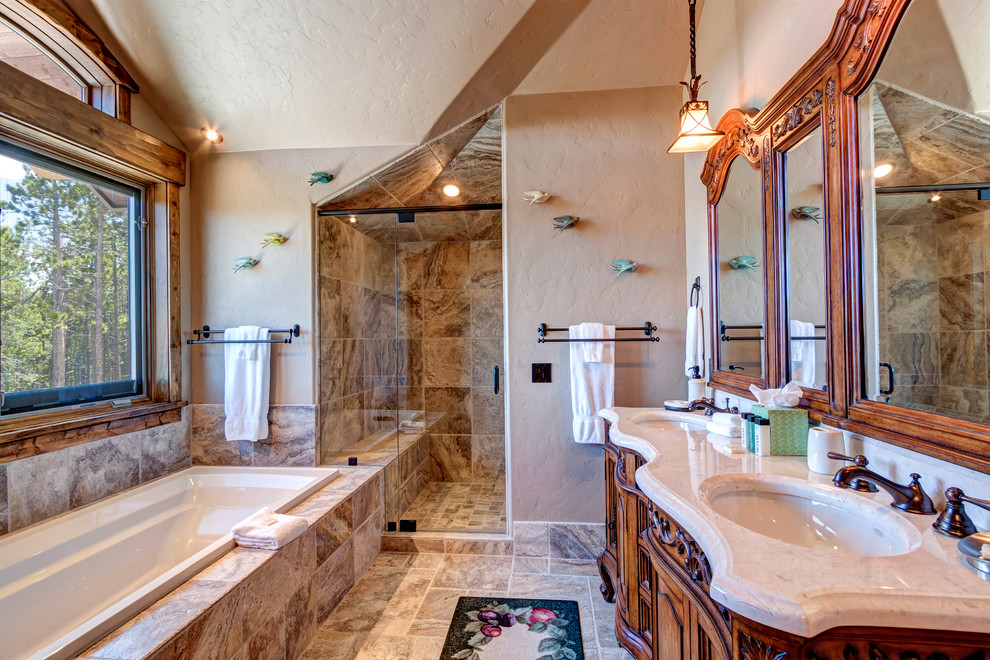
402, 606
452, 505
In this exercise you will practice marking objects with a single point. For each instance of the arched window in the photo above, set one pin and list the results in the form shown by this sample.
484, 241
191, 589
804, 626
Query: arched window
55, 47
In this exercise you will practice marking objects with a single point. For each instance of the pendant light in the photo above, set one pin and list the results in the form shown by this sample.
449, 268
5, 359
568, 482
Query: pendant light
696, 133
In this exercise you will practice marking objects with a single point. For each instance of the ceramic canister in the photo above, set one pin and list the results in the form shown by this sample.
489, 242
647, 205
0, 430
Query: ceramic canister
821, 441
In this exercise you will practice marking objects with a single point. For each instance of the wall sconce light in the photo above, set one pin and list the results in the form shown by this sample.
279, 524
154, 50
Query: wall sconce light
450, 190
211, 135
696, 132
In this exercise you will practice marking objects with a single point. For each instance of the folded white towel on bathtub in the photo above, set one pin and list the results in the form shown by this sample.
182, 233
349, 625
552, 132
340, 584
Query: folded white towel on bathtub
267, 530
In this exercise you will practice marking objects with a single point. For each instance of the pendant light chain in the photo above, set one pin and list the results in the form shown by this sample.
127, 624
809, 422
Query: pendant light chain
695, 82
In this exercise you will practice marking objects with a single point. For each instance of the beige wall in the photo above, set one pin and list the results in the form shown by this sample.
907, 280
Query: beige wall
747, 50
236, 199
603, 156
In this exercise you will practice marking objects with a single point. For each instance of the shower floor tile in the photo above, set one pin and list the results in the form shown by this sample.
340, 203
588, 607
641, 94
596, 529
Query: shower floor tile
451, 505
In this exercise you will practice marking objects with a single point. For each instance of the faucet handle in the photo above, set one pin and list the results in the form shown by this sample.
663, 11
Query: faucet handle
861, 485
860, 460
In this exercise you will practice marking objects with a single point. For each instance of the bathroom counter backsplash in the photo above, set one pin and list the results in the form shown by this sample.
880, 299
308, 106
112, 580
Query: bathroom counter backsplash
806, 591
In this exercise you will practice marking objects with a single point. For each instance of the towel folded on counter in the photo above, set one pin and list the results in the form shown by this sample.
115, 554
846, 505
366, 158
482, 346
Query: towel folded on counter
985, 551
728, 430
267, 530
409, 426
729, 419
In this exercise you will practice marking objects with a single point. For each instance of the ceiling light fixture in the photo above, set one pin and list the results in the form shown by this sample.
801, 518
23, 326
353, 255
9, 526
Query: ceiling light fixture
352, 219
696, 132
450, 190
882, 170
211, 135
935, 197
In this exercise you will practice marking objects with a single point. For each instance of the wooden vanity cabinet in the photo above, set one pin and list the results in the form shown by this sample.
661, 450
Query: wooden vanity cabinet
659, 578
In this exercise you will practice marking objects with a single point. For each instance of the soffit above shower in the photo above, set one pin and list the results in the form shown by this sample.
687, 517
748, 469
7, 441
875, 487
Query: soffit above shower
469, 156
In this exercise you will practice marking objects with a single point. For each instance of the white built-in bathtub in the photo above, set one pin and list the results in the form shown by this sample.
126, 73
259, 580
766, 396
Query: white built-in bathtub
67, 582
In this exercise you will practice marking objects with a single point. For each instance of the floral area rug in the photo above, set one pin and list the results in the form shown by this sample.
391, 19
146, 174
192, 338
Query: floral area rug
514, 629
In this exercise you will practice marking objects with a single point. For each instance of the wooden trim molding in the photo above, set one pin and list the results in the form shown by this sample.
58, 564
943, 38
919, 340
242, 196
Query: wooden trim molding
824, 92
42, 117
76, 48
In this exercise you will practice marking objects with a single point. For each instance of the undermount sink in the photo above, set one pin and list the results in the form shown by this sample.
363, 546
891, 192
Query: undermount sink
811, 515
666, 420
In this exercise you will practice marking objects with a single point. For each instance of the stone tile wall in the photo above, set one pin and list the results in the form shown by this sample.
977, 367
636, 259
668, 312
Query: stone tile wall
932, 309
261, 604
406, 477
39, 487
291, 438
450, 297
358, 389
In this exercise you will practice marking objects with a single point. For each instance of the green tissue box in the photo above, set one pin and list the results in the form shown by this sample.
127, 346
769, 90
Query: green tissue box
788, 430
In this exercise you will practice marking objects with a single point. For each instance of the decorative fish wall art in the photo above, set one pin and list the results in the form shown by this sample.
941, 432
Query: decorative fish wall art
743, 263
562, 222
320, 177
619, 266
535, 196
245, 262
273, 238
808, 213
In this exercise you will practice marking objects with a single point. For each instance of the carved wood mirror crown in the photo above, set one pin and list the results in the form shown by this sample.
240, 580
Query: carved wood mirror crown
828, 102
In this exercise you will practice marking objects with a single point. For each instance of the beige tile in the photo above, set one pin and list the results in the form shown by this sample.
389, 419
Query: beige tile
474, 572
583, 567
537, 565
334, 579
486, 265
531, 539
446, 362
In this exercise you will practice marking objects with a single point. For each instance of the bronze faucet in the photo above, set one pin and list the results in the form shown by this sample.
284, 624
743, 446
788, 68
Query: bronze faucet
954, 521
708, 405
911, 498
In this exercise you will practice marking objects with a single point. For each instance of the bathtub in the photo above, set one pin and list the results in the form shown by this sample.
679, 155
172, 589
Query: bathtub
67, 582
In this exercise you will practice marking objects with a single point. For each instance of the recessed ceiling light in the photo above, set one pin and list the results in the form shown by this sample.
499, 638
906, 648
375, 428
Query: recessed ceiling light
882, 170
935, 197
211, 135
450, 190
352, 219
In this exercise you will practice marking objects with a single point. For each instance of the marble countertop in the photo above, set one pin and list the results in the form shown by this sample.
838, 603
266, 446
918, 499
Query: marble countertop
801, 590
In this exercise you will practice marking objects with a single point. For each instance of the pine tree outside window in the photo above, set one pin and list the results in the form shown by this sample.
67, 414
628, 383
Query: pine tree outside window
71, 249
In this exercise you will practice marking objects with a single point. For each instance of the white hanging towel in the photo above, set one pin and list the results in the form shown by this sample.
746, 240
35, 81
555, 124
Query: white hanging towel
247, 369
803, 353
694, 344
592, 381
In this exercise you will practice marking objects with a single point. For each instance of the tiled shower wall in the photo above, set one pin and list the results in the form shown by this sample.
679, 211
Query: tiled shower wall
359, 391
450, 338
932, 268
40, 487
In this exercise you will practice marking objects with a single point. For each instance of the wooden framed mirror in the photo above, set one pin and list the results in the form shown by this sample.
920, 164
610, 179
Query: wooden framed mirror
902, 281
739, 257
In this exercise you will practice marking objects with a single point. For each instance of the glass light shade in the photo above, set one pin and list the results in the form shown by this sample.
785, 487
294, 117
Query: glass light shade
696, 133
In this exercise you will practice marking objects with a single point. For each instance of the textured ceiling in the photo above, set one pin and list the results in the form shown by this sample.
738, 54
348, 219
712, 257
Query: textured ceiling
276, 74
308, 73
616, 44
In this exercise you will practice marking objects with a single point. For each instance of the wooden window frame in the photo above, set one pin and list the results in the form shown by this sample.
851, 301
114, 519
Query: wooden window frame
69, 42
41, 118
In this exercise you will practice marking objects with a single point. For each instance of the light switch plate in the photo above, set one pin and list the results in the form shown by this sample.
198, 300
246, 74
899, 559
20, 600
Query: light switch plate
541, 372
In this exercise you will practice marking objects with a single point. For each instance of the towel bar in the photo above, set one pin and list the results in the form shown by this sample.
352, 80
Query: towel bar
647, 329
725, 337
206, 332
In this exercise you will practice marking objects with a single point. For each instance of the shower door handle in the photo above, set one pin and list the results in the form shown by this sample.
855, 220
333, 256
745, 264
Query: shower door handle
496, 379
890, 378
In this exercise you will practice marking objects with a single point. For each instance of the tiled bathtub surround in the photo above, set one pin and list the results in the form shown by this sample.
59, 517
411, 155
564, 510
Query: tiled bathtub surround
255, 603
291, 438
40, 487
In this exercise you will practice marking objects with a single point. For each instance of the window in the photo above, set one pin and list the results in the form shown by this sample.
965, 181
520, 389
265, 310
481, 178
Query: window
24, 55
71, 253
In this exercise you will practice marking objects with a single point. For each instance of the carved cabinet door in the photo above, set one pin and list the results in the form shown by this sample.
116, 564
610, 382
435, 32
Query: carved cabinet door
672, 617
